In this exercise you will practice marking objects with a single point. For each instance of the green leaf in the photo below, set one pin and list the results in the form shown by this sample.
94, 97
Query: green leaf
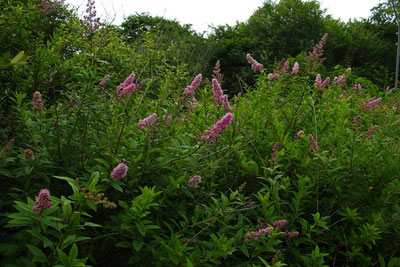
73, 253
189, 263
73, 239
38, 255
141, 228
137, 244
89, 224
18, 57
70, 181
94, 178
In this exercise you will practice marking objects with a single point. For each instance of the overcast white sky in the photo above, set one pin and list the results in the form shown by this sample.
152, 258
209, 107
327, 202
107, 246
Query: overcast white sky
212, 12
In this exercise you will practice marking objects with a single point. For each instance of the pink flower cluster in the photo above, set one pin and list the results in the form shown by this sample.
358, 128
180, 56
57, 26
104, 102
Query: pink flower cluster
313, 144
371, 103
255, 235
119, 171
192, 183
90, 21
254, 64
219, 97
104, 81
37, 100
189, 91
127, 86
388, 90
291, 234
318, 82
214, 131
42, 202
274, 155
299, 134
343, 78
150, 120
286, 66
272, 77
279, 224
296, 68
169, 120
340, 79
370, 132
192, 104
318, 50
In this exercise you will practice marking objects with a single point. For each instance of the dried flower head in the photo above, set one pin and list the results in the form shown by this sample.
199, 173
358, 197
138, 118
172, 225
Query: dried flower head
28, 154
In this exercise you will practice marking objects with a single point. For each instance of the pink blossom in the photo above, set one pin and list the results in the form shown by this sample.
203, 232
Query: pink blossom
104, 81
299, 134
370, 132
274, 155
129, 89
42, 201
147, 121
254, 64
214, 131
37, 100
128, 81
119, 171
296, 68
340, 79
279, 224
219, 97
275, 76
255, 235
318, 50
371, 103
318, 82
341, 96
292, 234
388, 90
192, 104
286, 66
192, 183
169, 119
313, 144
189, 91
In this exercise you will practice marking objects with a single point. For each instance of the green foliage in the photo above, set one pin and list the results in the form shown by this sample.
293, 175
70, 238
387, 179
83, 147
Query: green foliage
267, 195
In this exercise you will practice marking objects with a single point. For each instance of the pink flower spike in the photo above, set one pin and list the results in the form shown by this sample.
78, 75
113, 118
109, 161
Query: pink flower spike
254, 64
192, 183
299, 134
119, 171
279, 224
214, 131
129, 89
147, 121
104, 81
286, 66
42, 201
189, 91
296, 68
37, 100
219, 97
128, 81
313, 144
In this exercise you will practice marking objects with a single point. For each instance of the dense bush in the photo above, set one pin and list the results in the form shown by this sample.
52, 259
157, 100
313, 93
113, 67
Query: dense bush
100, 166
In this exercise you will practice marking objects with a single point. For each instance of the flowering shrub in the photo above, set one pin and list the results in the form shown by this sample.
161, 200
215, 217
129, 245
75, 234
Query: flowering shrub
208, 183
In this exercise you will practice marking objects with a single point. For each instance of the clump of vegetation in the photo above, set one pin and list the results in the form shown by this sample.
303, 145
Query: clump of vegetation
114, 153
